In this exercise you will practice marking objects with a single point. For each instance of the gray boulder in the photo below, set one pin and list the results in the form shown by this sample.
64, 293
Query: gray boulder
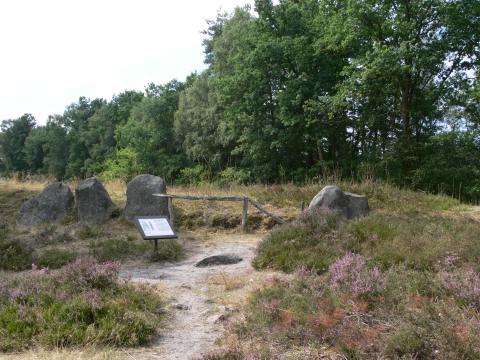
347, 204
141, 202
52, 205
93, 203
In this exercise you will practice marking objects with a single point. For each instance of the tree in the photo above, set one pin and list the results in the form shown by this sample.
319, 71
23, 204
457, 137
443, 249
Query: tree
408, 58
34, 149
15, 133
56, 147
149, 131
75, 120
198, 125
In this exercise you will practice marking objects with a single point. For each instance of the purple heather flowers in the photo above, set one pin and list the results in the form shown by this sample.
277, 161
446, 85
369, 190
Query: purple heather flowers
351, 273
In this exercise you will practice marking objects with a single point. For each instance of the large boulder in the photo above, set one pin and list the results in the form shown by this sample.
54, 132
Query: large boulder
140, 199
52, 205
346, 204
93, 203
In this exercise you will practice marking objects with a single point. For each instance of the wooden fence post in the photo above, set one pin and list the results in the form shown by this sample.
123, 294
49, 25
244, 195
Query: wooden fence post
170, 211
245, 214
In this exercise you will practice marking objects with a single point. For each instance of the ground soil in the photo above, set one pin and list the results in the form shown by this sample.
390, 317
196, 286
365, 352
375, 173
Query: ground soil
201, 298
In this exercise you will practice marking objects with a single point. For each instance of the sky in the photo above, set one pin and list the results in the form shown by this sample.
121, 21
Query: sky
54, 51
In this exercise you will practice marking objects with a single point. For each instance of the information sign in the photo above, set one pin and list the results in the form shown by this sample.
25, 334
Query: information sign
154, 227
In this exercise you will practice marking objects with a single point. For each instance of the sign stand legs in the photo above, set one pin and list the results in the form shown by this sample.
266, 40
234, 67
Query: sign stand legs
156, 245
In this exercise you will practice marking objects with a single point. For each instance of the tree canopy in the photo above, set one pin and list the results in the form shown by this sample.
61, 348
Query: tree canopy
292, 91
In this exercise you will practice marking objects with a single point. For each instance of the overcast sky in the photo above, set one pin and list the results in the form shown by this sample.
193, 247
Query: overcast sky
54, 51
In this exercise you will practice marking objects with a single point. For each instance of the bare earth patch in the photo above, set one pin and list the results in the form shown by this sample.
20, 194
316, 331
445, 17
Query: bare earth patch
201, 298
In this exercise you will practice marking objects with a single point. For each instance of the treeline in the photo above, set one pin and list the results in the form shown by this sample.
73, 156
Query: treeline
292, 91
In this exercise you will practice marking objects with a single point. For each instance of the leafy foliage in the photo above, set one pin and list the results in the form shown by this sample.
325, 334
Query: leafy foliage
293, 90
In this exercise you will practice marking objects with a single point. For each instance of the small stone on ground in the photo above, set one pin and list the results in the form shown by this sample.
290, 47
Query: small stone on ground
224, 259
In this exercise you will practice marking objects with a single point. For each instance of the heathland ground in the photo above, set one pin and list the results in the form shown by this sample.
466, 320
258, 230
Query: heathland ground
401, 283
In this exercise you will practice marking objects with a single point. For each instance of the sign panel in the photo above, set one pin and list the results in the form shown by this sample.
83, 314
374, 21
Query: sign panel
154, 227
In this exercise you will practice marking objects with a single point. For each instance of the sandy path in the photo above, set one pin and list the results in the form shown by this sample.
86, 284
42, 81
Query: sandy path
193, 328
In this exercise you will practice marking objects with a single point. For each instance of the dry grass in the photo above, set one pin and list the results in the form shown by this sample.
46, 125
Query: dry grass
227, 282
401, 222
64, 354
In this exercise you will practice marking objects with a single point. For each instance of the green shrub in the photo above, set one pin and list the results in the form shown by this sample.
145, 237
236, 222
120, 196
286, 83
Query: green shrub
88, 232
15, 255
117, 249
312, 241
194, 175
225, 221
124, 165
54, 258
168, 250
232, 175
79, 304
408, 341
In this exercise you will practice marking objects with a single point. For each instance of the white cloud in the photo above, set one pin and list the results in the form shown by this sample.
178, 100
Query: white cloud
53, 51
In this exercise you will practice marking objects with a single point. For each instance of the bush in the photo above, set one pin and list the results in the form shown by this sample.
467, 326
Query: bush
15, 255
124, 165
80, 304
54, 258
232, 175
311, 241
117, 249
88, 232
194, 175
168, 250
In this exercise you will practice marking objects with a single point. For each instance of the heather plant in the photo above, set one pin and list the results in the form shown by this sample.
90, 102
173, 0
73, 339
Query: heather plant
87, 273
82, 303
464, 284
352, 274
224, 354
434, 330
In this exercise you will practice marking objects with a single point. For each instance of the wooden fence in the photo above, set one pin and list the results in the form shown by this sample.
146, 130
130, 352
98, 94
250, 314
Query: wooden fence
245, 199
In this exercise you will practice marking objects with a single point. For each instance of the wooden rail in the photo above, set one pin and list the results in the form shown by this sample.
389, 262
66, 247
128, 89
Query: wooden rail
245, 199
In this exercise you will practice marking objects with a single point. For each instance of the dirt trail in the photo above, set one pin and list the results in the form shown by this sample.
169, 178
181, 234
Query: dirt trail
194, 326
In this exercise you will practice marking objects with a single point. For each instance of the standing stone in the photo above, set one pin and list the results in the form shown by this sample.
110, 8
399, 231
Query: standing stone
52, 205
347, 204
141, 202
93, 203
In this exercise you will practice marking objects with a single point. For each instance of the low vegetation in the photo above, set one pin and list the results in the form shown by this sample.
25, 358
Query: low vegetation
54, 245
82, 303
402, 283
395, 314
